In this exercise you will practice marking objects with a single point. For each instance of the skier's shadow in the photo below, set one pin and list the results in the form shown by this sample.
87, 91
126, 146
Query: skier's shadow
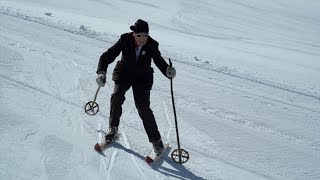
130, 151
179, 171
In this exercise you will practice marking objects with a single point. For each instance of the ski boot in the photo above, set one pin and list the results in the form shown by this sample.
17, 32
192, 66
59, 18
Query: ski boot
158, 151
111, 135
158, 147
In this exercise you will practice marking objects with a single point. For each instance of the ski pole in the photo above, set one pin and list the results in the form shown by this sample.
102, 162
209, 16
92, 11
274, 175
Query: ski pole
178, 153
92, 108
95, 96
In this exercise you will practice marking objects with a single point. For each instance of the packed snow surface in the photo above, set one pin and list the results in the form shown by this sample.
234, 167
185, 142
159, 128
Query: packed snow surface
247, 89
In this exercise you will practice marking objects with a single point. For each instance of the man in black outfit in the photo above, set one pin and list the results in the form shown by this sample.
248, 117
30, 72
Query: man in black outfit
134, 70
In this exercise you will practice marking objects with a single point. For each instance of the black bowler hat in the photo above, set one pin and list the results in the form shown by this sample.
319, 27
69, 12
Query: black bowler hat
140, 27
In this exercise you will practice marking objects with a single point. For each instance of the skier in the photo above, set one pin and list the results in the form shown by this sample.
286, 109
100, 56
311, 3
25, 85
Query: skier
134, 70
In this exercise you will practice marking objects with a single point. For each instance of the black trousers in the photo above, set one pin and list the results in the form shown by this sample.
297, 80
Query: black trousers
142, 102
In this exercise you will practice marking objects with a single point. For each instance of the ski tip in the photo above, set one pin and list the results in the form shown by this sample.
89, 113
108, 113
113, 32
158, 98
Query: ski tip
97, 147
149, 160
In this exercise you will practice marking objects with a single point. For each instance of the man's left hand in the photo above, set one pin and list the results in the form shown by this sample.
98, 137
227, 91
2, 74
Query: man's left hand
171, 72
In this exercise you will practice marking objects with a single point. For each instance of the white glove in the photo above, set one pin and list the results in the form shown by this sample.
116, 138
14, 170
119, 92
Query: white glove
101, 80
171, 72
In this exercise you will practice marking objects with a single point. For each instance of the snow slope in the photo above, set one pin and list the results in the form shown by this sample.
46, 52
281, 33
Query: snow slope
247, 89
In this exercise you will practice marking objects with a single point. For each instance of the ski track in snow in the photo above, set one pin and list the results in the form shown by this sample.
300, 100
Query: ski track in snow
195, 149
111, 162
168, 120
20, 83
248, 78
128, 146
107, 164
258, 126
106, 38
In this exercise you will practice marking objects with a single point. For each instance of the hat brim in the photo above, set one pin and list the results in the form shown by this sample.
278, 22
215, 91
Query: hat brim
132, 28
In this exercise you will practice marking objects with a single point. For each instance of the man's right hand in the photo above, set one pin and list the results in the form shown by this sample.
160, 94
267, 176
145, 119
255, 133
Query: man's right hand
101, 80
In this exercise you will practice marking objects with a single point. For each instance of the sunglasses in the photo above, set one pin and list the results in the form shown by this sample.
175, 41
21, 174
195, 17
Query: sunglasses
142, 35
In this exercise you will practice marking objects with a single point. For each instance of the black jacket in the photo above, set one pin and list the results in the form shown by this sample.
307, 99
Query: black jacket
128, 66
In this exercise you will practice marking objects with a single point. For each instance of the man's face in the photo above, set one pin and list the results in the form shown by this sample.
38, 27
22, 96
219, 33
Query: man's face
141, 38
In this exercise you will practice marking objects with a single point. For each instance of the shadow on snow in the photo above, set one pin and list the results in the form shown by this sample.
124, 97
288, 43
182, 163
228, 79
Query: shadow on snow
177, 171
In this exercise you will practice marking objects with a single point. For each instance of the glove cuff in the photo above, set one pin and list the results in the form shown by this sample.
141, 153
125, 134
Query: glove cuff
102, 72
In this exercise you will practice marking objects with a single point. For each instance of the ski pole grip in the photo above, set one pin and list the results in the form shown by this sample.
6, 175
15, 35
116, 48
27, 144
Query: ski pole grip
170, 62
